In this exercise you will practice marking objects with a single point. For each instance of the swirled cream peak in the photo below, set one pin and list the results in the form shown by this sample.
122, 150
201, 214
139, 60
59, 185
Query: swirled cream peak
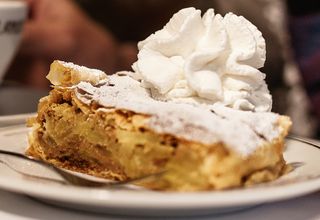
209, 59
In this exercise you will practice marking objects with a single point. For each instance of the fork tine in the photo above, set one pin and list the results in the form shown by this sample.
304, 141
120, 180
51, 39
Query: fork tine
79, 181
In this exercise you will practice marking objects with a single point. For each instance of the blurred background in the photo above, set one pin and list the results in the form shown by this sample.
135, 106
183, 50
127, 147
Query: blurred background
103, 34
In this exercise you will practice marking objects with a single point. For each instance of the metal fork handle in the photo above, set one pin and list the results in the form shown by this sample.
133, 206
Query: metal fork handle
68, 177
32, 159
31, 175
22, 156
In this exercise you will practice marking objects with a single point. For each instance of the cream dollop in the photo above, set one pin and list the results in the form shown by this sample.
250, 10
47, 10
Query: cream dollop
209, 59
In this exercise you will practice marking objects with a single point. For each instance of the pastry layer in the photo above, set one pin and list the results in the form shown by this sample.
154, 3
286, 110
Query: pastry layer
118, 144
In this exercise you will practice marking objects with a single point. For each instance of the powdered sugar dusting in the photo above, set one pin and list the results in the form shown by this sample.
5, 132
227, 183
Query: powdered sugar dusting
82, 69
264, 123
241, 131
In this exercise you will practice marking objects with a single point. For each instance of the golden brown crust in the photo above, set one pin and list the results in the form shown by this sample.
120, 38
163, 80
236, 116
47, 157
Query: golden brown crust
68, 74
117, 144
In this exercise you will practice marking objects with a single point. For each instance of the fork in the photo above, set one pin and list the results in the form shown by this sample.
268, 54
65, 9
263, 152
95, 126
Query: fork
71, 178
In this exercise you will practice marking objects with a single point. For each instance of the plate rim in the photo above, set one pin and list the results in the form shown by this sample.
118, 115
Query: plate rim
162, 198
16, 119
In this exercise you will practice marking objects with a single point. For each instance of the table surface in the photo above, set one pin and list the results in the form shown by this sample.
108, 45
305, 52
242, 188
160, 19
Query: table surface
14, 206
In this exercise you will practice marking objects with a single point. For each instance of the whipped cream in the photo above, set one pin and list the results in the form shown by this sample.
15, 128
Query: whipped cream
209, 59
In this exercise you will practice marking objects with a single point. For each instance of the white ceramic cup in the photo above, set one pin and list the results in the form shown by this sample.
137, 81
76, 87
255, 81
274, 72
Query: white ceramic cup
12, 16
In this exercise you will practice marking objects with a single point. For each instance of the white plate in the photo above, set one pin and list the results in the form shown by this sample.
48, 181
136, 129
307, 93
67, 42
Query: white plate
8, 120
132, 201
